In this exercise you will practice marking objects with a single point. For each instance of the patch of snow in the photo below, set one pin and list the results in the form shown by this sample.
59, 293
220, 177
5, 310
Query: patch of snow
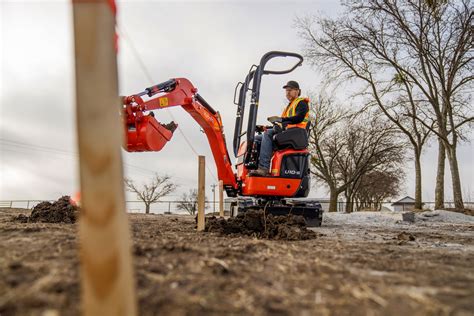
445, 216
392, 218
362, 218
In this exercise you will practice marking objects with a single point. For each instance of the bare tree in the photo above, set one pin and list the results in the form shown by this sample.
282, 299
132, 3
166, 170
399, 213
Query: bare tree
152, 192
344, 148
416, 60
323, 143
189, 202
377, 186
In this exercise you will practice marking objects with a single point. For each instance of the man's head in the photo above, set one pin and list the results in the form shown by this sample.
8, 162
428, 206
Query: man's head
292, 89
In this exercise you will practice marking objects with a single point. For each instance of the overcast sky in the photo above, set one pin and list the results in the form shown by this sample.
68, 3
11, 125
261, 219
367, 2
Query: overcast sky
213, 44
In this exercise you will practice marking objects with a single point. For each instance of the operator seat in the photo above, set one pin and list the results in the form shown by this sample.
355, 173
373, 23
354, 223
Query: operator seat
295, 138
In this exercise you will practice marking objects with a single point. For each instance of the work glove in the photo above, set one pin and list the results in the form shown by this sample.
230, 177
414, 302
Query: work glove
260, 128
277, 128
274, 119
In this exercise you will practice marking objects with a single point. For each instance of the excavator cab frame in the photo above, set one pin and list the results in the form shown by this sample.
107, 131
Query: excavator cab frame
254, 77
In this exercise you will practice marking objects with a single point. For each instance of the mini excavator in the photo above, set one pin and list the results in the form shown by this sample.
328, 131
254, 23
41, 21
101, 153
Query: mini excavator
278, 192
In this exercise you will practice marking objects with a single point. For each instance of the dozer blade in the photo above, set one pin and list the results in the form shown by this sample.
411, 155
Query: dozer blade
148, 134
311, 211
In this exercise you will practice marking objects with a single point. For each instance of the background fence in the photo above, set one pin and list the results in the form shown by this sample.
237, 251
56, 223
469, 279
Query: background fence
387, 206
160, 207
163, 207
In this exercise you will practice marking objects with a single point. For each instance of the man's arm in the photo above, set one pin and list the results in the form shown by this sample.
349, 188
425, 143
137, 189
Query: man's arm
301, 109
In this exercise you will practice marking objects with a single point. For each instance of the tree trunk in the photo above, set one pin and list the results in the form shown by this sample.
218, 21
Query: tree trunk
439, 190
350, 204
456, 180
147, 208
349, 207
417, 180
333, 200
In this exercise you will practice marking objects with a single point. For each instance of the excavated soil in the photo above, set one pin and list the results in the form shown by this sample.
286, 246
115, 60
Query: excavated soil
378, 267
171, 126
258, 224
60, 211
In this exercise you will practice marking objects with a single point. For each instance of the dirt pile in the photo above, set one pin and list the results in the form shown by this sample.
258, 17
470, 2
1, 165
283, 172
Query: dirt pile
171, 126
257, 223
60, 211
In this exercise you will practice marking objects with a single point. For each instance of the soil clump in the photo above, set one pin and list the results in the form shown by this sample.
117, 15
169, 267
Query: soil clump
60, 211
257, 223
171, 126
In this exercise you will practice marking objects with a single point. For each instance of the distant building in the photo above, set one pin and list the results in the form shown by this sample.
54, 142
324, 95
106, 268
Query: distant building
404, 205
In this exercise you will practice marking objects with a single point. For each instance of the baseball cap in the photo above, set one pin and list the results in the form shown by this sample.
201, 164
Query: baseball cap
292, 84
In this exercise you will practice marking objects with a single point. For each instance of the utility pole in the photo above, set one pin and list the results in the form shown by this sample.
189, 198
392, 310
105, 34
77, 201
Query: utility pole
213, 186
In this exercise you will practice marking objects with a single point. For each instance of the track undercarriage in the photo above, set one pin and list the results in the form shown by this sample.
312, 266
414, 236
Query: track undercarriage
310, 210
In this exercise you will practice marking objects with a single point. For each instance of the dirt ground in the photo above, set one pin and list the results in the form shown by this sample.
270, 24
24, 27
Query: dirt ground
348, 269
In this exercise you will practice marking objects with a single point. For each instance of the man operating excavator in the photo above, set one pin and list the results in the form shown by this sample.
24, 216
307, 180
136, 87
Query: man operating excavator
284, 145
295, 115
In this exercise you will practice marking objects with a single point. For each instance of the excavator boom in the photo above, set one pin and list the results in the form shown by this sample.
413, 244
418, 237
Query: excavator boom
145, 133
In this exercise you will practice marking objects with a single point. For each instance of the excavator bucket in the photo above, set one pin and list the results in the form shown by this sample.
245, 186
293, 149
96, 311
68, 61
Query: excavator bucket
148, 134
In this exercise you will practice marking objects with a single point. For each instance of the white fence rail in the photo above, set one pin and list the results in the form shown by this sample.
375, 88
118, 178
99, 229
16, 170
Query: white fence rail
164, 207
131, 206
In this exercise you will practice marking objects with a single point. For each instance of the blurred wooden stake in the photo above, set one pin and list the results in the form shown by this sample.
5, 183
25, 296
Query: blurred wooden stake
221, 198
104, 239
201, 192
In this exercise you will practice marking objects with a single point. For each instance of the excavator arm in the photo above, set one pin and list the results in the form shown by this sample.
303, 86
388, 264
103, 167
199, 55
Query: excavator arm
145, 133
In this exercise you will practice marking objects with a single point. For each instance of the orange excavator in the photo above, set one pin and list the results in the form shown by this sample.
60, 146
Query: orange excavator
281, 191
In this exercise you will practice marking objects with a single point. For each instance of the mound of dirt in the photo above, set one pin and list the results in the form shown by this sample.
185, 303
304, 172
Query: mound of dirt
60, 211
22, 218
257, 223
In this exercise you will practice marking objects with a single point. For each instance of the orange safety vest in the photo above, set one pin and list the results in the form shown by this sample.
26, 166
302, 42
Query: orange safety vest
290, 110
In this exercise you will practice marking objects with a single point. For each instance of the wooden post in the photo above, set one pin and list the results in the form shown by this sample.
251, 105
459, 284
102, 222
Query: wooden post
201, 192
221, 198
104, 238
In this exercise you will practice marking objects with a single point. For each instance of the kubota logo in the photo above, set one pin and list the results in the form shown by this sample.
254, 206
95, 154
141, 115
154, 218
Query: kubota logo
293, 172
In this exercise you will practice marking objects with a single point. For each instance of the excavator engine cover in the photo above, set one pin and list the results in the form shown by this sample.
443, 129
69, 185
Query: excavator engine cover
148, 134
